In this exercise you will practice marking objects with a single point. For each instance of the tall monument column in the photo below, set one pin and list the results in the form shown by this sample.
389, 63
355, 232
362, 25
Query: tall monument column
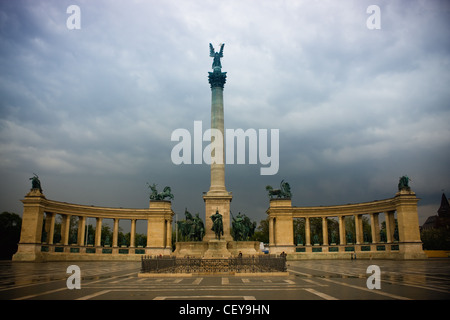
217, 199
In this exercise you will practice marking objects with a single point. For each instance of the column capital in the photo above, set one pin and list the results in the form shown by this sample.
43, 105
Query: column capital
217, 78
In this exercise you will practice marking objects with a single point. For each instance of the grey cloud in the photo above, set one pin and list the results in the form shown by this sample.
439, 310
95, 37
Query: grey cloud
356, 108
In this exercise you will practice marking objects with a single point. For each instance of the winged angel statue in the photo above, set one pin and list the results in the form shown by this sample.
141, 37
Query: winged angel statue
216, 55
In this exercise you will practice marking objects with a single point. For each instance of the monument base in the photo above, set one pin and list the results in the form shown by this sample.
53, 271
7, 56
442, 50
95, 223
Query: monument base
217, 249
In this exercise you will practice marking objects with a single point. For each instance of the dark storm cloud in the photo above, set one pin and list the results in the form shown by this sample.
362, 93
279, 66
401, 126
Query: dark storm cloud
92, 110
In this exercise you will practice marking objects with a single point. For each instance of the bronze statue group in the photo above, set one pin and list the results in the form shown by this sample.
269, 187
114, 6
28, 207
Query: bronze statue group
193, 229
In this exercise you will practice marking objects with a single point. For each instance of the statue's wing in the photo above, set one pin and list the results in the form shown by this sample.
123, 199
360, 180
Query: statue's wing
221, 50
211, 50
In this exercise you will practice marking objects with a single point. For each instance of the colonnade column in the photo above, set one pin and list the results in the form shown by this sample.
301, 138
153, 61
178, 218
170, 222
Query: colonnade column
358, 228
342, 230
50, 226
133, 233
148, 233
65, 228
168, 233
81, 231
115, 232
307, 232
375, 227
98, 232
271, 232
390, 226
325, 231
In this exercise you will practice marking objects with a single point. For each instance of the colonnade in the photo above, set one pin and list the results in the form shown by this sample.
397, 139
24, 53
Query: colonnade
403, 206
342, 231
82, 237
159, 230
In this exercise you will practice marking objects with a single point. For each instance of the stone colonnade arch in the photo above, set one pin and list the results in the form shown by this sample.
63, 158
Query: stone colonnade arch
159, 218
404, 205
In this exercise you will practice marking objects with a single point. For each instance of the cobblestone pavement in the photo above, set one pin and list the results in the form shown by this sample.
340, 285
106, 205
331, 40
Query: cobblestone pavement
307, 280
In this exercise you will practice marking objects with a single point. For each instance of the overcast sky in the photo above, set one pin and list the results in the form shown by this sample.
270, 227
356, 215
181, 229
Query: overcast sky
92, 110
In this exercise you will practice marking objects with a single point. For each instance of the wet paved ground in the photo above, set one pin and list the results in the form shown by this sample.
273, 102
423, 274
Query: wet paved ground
307, 280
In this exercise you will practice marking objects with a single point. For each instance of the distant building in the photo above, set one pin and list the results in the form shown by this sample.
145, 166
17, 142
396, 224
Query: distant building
442, 219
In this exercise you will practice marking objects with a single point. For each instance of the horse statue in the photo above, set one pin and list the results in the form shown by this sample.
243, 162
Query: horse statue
284, 191
217, 226
192, 228
249, 229
199, 228
162, 195
243, 229
238, 227
185, 226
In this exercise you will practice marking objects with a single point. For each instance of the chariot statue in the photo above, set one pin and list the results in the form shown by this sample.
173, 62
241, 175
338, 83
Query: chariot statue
162, 195
283, 193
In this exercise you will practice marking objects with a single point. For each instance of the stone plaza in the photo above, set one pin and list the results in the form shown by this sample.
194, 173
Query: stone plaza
308, 280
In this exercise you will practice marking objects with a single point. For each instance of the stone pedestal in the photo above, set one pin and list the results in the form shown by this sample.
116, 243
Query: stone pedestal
217, 249
217, 202
29, 246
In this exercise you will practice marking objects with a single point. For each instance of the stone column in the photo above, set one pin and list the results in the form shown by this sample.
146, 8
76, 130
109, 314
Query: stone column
169, 234
342, 239
65, 229
392, 224
271, 232
115, 232
81, 230
149, 233
98, 232
217, 81
307, 232
133, 233
375, 227
50, 227
47, 226
217, 198
388, 220
358, 228
325, 231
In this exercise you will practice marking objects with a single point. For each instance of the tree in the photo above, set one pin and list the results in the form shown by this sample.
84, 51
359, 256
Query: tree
262, 231
107, 236
10, 226
299, 231
435, 239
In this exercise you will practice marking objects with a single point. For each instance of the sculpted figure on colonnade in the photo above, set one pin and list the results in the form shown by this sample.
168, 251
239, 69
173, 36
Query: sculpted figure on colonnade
160, 196
283, 193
